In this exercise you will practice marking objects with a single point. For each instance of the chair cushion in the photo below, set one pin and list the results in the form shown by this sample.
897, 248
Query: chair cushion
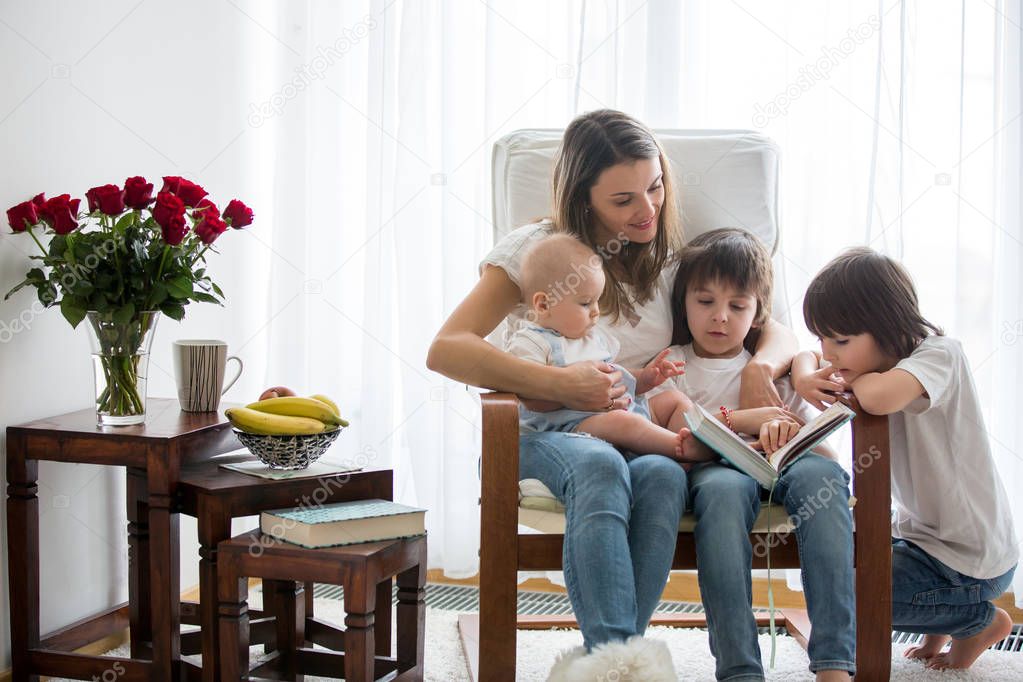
725, 178
548, 516
541, 511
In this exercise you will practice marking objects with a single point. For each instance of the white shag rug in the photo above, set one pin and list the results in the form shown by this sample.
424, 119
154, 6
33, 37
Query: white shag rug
537, 650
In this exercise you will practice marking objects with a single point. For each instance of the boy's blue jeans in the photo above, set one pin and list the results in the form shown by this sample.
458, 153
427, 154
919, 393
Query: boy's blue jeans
930, 598
621, 524
815, 492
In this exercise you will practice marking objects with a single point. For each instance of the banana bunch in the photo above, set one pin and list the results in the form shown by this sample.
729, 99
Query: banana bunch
287, 416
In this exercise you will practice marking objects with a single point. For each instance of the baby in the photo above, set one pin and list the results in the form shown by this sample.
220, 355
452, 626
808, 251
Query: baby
562, 281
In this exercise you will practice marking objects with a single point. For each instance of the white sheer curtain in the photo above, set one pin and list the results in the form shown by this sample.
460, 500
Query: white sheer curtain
899, 124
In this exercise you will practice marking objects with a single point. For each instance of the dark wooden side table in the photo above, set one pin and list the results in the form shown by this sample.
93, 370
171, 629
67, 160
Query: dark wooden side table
155, 451
360, 569
214, 496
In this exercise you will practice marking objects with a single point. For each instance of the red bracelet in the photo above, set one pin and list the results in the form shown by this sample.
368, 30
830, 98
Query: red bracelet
727, 414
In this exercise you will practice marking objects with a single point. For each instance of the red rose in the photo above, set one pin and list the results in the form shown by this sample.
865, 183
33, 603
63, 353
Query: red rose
207, 208
22, 216
61, 213
210, 228
188, 191
169, 212
107, 199
238, 214
175, 230
39, 200
137, 192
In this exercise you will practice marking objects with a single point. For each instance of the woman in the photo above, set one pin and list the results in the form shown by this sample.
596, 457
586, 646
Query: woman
612, 190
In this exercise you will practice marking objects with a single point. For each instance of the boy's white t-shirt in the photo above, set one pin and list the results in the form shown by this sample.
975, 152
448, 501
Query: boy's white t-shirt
713, 382
948, 497
649, 330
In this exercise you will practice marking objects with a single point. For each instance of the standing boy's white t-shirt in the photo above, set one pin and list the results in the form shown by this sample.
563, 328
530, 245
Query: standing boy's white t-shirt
948, 497
642, 334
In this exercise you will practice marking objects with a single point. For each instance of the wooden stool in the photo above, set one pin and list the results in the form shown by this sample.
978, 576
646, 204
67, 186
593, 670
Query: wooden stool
215, 496
364, 572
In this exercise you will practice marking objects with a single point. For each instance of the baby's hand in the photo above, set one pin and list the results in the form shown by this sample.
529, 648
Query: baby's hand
776, 433
660, 369
819, 388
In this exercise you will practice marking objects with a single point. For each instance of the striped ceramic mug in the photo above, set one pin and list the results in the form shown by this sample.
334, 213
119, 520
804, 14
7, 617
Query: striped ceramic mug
199, 370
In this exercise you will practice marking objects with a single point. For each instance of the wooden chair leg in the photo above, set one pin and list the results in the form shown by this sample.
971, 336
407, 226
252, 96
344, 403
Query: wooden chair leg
499, 554
873, 552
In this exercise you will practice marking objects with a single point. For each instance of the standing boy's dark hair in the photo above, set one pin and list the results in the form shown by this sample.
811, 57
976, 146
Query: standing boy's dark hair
730, 255
865, 291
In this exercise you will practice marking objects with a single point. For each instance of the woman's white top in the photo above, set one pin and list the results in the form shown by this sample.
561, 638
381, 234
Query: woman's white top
641, 337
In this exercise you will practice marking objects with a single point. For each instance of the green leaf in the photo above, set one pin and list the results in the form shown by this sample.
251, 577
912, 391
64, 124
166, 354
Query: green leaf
205, 298
82, 288
71, 311
19, 287
180, 287
159, 294
125, 313
217, 290
58, 245
124, 221
173, 310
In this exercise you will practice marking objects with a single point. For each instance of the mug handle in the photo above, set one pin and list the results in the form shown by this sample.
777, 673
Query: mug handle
241, 366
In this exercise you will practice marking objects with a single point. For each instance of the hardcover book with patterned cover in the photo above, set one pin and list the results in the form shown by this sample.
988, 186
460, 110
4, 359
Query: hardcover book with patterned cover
344, 523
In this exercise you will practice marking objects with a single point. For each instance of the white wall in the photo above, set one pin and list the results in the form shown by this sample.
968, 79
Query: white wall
91, 93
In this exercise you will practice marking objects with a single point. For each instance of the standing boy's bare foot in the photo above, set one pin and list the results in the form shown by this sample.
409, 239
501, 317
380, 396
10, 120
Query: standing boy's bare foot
964, 652
931, 647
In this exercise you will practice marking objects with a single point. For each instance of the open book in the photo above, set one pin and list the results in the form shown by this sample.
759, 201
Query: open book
732, 447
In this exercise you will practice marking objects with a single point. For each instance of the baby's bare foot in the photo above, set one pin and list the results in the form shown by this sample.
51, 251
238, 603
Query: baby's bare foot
690, 449
964, 652
931, 647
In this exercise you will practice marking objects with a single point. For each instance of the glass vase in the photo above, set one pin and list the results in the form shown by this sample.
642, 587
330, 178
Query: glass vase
120, 360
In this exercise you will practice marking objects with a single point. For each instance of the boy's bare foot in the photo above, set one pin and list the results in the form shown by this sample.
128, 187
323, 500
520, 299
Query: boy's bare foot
964, 652
932, 646
832, 676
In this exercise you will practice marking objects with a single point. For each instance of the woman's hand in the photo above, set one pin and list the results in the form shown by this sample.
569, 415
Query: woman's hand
751, 421
819, 387
591, 386
756, 386
776, 433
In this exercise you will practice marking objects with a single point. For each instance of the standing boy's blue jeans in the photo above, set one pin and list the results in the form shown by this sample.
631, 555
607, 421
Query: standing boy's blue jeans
815, 493
621, 525
930, 598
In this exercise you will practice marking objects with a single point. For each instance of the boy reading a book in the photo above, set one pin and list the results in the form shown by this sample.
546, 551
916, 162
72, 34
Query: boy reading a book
953, 542
721, 296
563, 279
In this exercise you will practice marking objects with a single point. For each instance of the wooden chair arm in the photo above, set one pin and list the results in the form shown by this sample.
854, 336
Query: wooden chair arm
499, 490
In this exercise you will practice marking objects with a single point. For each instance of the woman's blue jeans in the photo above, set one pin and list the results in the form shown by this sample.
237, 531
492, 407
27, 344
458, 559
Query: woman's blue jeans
815, 492
622, 521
